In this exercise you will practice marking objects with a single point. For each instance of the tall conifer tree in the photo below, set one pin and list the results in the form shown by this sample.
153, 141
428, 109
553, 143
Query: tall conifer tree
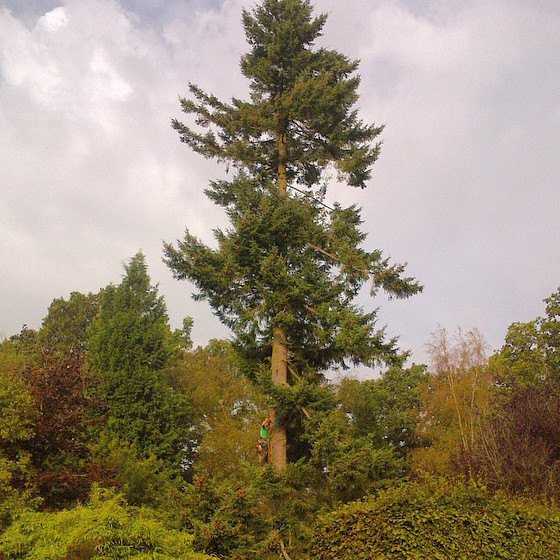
285, 274
129, 347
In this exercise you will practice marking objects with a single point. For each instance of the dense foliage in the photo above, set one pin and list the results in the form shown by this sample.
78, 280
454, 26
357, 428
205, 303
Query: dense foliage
118, 439
172, 430
286, 272
106, 528
129, 347
437, 519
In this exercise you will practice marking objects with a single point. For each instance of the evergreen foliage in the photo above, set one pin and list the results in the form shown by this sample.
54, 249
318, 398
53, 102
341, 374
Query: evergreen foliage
130, 330
144, 411
355, 439
104, 395
224, 521
140, 481
300, 93
129, 346
285, 274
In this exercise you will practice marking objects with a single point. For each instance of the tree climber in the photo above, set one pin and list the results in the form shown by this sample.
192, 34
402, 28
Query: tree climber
263, 443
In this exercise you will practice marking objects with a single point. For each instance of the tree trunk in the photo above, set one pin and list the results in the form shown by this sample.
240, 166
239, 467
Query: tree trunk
279, 360
279, 377
282, 153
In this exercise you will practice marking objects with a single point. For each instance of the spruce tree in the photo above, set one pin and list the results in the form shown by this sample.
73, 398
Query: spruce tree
285, 274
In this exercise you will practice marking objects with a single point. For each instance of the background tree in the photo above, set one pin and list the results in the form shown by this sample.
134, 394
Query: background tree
17, 419
456, 400
64, 328
129, 346
54, 411
361, 443
131, 327
519, 448
530, 354
226, 406
285, 274
550, 332
387, 409
63, 413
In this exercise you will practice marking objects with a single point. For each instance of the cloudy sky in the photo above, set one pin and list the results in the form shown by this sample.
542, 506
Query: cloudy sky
466, 189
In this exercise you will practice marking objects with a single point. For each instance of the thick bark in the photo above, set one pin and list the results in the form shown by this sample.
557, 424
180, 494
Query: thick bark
279, 362
279, 377
282, 153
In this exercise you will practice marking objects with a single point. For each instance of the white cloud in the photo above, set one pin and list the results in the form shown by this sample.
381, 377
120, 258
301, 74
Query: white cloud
92, 172
465, 189
54, 20
25, 64
104, 81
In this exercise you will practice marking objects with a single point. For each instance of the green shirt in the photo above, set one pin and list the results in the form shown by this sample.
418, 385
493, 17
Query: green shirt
264, 432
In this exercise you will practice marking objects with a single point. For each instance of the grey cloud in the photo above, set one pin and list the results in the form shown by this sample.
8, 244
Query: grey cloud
465, 189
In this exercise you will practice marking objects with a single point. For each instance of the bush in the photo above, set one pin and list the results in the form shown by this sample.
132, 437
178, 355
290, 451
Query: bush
105, 529
437, 519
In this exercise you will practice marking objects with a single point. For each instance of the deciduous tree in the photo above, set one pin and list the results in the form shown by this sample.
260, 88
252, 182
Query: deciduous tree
64, 329
456, 400
530, 355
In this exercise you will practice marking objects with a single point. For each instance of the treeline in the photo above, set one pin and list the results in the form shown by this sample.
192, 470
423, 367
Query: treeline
118, 438
105, 405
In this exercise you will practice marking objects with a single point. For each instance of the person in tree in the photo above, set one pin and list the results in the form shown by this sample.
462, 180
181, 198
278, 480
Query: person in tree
263, 447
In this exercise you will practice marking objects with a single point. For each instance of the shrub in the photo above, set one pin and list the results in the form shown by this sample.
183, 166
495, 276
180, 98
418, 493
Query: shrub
103, 530
437, 519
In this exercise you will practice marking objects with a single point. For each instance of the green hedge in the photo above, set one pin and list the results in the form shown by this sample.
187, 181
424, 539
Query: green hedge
438, 519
